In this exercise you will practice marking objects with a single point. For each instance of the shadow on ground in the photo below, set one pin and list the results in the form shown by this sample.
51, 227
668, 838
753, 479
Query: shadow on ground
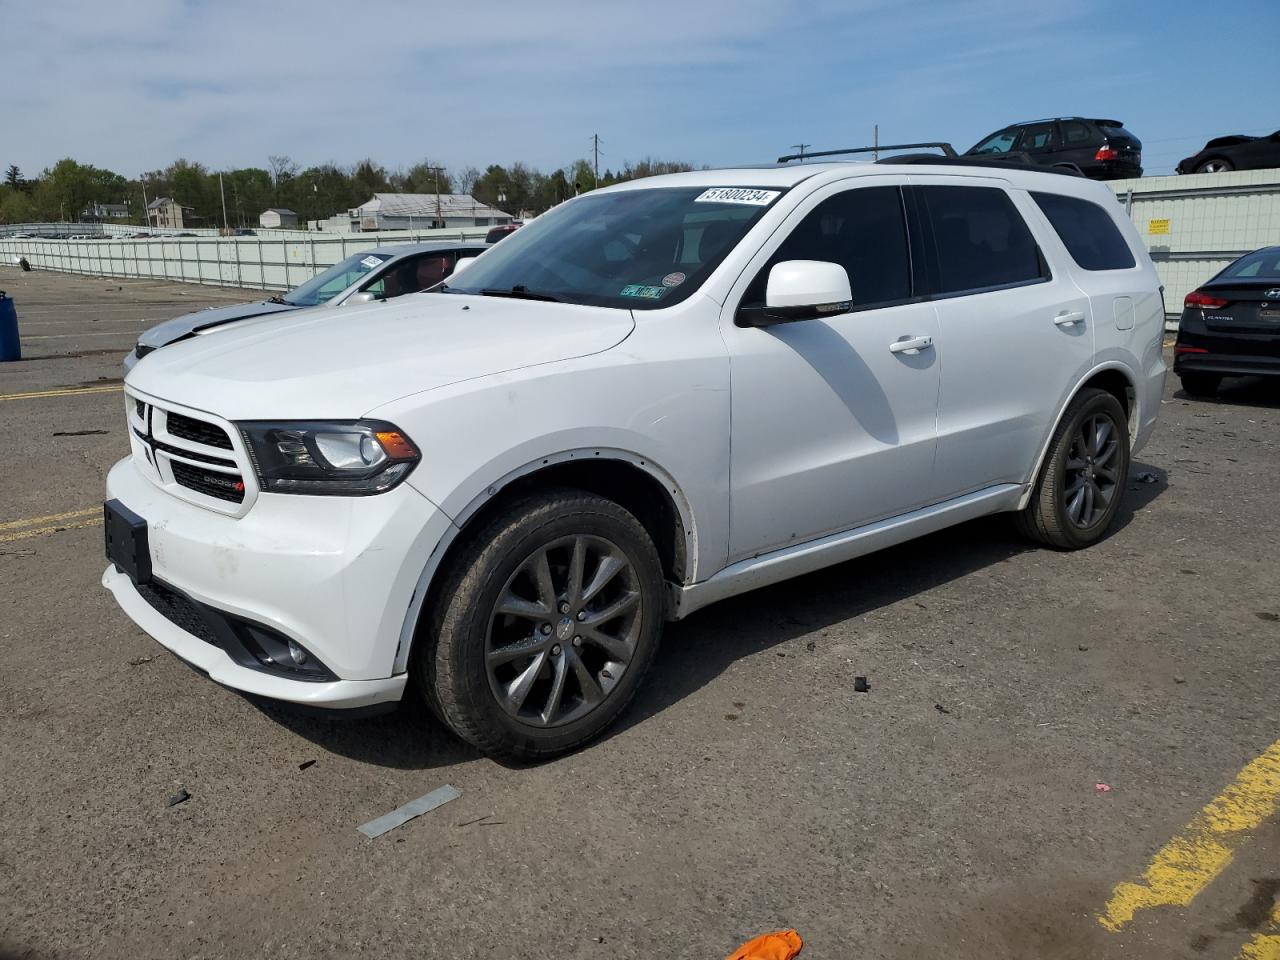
697, 650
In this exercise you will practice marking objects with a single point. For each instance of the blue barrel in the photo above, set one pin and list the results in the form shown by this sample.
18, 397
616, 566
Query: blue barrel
10, 348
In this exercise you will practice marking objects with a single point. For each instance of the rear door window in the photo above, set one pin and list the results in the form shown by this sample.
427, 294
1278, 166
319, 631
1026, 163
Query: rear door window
1038, 137
862, 230
1087, 231
980, 241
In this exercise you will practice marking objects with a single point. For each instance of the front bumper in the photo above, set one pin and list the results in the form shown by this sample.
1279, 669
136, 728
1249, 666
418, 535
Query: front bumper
336, 574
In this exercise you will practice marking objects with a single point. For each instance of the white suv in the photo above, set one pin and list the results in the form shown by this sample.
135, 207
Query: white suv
653, 397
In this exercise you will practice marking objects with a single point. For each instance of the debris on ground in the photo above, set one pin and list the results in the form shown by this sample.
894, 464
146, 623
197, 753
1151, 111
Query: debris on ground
414, 808
1102, 788
860, 685
180, 797
1267, 615
779, 945
1146, 476
81, 433
139, 661
306, 763
811, 646
1082, 648
940, 708
1178, 679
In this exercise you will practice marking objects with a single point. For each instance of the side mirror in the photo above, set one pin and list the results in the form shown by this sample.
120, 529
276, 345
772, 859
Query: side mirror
800, 290
462, 264
365, 296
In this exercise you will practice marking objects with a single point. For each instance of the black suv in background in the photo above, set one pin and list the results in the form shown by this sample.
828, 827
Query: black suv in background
1101, 149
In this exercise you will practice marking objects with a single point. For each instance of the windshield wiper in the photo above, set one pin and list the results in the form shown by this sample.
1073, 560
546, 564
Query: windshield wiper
279, 299
520, 292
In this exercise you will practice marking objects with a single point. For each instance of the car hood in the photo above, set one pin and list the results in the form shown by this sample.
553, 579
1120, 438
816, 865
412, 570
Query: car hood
340, 364
163, 334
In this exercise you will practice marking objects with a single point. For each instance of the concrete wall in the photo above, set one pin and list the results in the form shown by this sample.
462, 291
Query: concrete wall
1195, 225
267, 263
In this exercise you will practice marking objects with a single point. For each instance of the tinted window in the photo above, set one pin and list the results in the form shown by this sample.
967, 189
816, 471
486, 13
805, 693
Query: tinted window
863, 231
1038, 136
980, 239
1117, 133
1259, 265
1087, 231
1076, 133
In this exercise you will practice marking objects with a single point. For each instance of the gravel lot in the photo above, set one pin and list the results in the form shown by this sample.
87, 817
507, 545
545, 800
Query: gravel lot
951, 811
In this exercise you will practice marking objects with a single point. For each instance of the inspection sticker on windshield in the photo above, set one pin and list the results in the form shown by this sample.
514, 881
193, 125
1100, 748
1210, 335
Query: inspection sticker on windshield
370, 262
753, 198
643, 292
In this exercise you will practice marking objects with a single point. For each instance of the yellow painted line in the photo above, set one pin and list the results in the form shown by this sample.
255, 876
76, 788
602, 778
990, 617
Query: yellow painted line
35, 521
53, 528
66, 392
1266, 945
1190, 861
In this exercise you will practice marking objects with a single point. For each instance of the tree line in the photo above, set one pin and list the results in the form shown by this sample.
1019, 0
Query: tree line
64, 191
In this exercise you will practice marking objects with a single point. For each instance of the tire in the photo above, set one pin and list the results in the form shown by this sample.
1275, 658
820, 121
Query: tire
1215, 165
477, 663
1200, 384
1055, 516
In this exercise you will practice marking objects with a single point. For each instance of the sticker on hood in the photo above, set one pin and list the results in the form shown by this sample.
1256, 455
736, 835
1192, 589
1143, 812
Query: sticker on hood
747, 195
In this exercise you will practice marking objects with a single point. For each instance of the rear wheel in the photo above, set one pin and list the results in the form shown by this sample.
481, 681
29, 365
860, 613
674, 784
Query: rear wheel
1200, 384
1215, 165
1082, 480
545, 627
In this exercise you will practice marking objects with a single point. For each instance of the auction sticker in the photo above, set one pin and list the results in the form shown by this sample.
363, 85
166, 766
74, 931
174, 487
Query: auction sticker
370, 262
747, 195
673, 279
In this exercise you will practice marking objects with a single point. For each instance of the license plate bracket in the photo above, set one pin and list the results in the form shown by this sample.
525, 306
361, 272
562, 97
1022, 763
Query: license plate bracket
126, 543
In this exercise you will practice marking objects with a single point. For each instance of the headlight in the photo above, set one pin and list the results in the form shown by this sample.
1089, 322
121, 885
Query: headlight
339, 457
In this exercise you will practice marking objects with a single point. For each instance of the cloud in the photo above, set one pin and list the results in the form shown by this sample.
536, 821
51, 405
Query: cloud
134, 84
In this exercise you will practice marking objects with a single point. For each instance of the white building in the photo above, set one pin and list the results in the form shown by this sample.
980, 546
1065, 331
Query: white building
278, 218
421, 211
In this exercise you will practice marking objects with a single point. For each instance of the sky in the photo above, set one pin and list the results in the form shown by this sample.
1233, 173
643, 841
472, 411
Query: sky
134, 84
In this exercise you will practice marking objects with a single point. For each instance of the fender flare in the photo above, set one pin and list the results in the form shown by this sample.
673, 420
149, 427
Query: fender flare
458, 523
1029, 485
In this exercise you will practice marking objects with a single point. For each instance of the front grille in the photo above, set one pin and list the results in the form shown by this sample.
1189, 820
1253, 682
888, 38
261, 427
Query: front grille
141, 408
192, 455
197, 431
223, 486
178, 610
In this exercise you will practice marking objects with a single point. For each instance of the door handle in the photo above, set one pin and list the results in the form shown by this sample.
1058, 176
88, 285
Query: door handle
911, 345
1067, 319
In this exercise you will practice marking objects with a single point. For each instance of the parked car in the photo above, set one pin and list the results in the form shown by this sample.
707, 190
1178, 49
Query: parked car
656, 396
1236, 152
498, 233
1100, 149
381, 274
1230, 326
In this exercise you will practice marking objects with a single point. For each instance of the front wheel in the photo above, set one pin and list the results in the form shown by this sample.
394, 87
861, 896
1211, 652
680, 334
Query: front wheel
1083, 477
1216, 165
545, 627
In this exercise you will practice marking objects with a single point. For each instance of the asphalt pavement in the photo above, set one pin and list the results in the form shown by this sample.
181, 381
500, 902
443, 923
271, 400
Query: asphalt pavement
1060, 755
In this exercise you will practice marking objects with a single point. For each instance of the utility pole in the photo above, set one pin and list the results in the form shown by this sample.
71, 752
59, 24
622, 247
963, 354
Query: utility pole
146, 211
595, 150
223, 192
875, 142
800, 149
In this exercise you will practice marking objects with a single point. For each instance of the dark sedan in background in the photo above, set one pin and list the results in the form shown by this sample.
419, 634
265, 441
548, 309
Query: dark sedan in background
1230, 326
1236, 152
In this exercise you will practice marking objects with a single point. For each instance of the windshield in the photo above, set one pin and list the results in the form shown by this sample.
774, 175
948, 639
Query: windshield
633, 249
323, 287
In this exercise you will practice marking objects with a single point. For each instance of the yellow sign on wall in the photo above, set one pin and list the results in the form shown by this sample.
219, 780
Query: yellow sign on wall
1157, 226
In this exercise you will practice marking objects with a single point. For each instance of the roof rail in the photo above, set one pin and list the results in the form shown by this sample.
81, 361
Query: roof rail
947, 150
1011, 159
